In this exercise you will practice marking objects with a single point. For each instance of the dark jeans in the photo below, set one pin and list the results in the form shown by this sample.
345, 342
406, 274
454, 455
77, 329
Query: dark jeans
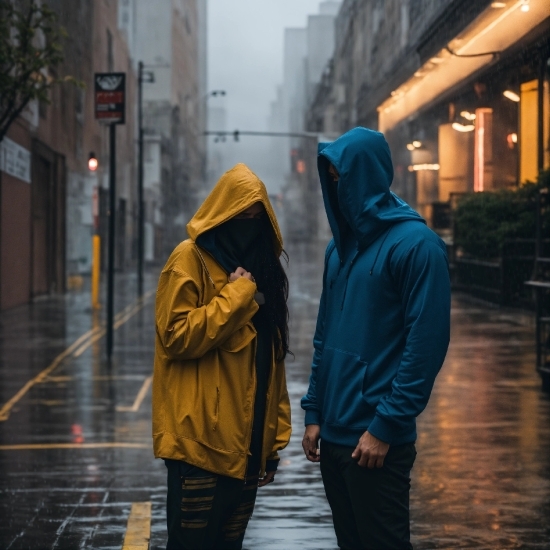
207, 511
370, 507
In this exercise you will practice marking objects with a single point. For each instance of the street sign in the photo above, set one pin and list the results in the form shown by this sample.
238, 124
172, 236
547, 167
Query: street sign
110, 97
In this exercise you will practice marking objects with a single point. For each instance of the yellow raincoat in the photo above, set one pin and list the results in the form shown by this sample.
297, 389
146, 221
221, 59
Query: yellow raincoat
204, 379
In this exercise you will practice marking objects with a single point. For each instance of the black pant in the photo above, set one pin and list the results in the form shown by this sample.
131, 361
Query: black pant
370, 507
207, 511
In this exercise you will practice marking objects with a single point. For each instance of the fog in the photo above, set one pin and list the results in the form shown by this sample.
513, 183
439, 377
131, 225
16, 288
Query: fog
245, 58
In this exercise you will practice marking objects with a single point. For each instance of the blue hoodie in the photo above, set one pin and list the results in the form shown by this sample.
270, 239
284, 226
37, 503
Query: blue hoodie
384, 317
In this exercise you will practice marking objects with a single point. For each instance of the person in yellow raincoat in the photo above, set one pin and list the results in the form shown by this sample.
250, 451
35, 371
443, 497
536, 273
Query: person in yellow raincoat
220, 404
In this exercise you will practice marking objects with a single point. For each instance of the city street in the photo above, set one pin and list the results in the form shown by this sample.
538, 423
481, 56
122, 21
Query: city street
76, 453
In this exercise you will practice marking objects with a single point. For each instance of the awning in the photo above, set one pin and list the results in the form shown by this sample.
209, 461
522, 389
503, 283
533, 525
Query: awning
497, 28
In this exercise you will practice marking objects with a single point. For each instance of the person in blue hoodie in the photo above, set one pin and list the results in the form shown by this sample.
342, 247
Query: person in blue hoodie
381, 338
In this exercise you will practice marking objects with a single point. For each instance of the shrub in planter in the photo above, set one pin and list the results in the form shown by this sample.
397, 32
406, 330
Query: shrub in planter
484, 221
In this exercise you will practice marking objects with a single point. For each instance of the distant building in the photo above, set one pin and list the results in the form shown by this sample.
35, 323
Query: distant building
320, 43
306, 54
217, 120
170, 39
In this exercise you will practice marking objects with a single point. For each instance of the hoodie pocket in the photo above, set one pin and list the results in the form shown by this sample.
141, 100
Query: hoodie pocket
340, 388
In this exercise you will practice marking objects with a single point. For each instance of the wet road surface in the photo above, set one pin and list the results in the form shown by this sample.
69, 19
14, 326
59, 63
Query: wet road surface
75, 445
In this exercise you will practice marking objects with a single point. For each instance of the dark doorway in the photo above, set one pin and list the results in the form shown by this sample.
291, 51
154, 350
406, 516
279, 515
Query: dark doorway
48, 222
42, 261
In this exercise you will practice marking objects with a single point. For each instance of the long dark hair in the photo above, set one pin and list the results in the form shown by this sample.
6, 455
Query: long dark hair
273, 282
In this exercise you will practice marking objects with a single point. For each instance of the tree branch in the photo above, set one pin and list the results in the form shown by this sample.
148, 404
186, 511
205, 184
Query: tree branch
5, 127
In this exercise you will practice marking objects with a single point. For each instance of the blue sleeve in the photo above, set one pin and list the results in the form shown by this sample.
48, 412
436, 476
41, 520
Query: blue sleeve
309, 401
421, 274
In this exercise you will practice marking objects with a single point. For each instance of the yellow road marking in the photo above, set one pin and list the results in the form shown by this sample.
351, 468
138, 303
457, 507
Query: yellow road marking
122, 317
58, 379
138, 530
105, 445
87, 344
79, 345
6, 409
139, 398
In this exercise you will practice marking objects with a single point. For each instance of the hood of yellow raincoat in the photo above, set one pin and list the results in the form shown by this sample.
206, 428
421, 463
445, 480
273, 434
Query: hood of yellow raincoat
238, 189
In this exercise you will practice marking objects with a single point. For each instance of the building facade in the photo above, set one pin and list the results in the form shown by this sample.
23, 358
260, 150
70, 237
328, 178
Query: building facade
459, 88
46, 209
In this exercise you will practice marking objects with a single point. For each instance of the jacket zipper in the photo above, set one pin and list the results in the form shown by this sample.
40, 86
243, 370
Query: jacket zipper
217, 410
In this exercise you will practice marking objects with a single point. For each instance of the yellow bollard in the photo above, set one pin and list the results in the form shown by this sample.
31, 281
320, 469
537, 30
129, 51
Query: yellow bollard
96, 259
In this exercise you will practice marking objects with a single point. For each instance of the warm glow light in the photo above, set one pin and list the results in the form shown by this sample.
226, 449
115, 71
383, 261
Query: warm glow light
467, 115
498, 5
463, 127
511, 140
410, 147
417, 144
512, 96
301, 167
420, 167
479, 148
92, 163
525, 7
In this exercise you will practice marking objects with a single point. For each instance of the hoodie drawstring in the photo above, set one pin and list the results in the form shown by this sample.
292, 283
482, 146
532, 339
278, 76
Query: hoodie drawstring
379, 249
353, 261
347, 279
204, 265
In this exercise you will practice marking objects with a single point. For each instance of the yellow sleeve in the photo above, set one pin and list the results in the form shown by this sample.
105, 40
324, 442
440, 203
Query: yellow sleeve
187, 329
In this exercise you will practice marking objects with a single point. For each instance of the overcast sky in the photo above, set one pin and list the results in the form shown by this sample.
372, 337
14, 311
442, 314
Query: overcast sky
245, 58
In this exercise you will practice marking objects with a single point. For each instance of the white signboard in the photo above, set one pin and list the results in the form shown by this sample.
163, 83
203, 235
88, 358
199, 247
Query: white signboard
15, 160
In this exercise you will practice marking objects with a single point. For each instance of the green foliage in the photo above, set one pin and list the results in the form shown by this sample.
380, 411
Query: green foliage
484, 221
30, 50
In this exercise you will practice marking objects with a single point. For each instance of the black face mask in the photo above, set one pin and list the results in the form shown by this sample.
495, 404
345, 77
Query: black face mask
237, 235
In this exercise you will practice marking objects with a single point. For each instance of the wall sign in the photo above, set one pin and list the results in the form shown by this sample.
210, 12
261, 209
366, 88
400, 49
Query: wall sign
15, 160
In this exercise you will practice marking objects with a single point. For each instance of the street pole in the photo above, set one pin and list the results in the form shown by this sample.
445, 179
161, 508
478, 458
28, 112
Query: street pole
110, 107
141, 220
111, 252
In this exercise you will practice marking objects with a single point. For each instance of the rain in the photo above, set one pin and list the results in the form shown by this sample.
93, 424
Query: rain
118, 118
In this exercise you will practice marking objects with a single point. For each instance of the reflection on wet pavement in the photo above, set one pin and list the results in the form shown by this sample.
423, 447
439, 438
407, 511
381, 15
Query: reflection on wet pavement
75, 446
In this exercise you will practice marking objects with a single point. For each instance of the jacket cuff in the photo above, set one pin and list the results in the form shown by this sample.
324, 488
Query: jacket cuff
382, 429
312, 417
272, 465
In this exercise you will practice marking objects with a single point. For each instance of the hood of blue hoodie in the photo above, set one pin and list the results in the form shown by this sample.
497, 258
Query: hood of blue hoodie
363, 160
